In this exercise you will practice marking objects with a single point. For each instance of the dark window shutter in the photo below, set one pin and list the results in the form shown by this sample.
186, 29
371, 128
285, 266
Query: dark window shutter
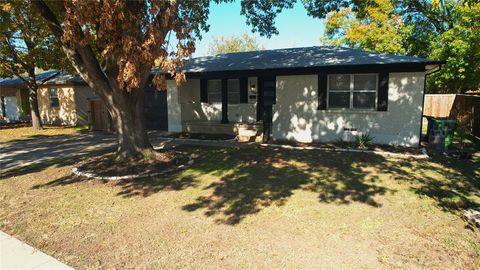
203, 91
382, 99
322, 91
244, 90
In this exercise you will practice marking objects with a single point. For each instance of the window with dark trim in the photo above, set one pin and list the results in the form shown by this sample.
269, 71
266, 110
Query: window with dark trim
233, 86
352, 91
214, 90
54, 103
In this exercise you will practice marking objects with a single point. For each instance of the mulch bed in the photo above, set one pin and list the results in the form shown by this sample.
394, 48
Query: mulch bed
106, 165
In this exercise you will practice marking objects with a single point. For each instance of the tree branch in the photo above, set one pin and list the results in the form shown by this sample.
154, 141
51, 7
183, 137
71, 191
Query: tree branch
82, 56
18, 75
14, 54
49, 16
42, 82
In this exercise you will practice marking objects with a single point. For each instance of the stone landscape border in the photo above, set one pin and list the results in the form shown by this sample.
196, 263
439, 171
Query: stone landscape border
78, 172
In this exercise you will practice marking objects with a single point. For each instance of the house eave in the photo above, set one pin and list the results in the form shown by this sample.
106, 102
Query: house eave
364, 68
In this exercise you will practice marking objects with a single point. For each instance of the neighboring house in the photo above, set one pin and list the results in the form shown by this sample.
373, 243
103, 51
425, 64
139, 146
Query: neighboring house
313, 94
67, 100
63, 100
14, 104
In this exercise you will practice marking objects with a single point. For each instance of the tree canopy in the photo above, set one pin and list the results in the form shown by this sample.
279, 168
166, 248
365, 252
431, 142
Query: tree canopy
113, 45
377, 29
25, 42
228, 44
26, 45
441, 30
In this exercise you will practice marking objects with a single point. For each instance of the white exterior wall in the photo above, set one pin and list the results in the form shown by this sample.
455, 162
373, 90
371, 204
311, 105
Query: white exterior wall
173, 108
191, 109
295, 114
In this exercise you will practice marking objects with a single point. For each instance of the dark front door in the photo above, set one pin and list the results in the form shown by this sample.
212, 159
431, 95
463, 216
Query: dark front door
156, 112
266, 99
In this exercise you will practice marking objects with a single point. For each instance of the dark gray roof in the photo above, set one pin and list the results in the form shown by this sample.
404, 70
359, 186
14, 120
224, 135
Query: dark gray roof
291, 58
306, 57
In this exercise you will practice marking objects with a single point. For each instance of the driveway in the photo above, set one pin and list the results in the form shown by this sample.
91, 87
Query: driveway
19, 154
22, 156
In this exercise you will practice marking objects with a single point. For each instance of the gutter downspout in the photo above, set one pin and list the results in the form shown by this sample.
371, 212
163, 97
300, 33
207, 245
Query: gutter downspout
435, 70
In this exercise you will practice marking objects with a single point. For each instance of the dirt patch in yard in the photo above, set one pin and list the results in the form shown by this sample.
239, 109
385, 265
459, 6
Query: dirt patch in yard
254, 209
107, 165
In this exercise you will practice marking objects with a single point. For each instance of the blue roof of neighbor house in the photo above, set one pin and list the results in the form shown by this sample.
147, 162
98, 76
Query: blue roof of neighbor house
56, 77
16, 81
306, 57
279, 59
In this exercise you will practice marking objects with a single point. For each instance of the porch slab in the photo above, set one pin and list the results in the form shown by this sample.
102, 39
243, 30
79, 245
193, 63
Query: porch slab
214, 127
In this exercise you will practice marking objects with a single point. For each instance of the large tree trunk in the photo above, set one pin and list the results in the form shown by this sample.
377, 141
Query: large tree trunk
125, 107
127, 112
33, 99
34, 111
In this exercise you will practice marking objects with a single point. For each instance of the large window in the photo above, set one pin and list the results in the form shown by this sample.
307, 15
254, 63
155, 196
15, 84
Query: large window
352, 91
233, 86
54, 98
214, 89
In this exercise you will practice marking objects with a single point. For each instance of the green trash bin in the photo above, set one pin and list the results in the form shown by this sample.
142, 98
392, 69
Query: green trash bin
447, 126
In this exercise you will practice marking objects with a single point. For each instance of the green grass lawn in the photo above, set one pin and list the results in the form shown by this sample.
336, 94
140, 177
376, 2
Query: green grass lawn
255, 208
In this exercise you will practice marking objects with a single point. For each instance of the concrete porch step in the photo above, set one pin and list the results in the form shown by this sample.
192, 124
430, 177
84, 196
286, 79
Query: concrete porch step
250, 132
245, 132
245, 138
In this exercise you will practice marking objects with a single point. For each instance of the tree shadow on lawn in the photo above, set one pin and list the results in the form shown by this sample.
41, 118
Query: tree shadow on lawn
455, 186
58, 150
256, 179
143, 187
246, 181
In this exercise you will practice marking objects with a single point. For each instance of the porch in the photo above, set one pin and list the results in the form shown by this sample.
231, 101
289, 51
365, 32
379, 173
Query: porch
245, 132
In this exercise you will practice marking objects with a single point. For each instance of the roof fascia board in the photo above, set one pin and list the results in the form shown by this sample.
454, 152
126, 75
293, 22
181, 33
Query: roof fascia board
400, 67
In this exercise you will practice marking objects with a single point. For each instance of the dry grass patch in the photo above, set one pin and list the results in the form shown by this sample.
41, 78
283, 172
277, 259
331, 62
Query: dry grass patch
255, 208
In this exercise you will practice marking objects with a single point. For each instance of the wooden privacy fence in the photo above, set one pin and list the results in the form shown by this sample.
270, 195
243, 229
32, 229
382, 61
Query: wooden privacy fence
454, 106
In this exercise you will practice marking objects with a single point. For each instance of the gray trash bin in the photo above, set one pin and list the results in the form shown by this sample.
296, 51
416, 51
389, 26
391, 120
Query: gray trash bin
437, 141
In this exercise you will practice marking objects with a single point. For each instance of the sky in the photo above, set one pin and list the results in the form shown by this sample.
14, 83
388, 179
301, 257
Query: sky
296, 28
